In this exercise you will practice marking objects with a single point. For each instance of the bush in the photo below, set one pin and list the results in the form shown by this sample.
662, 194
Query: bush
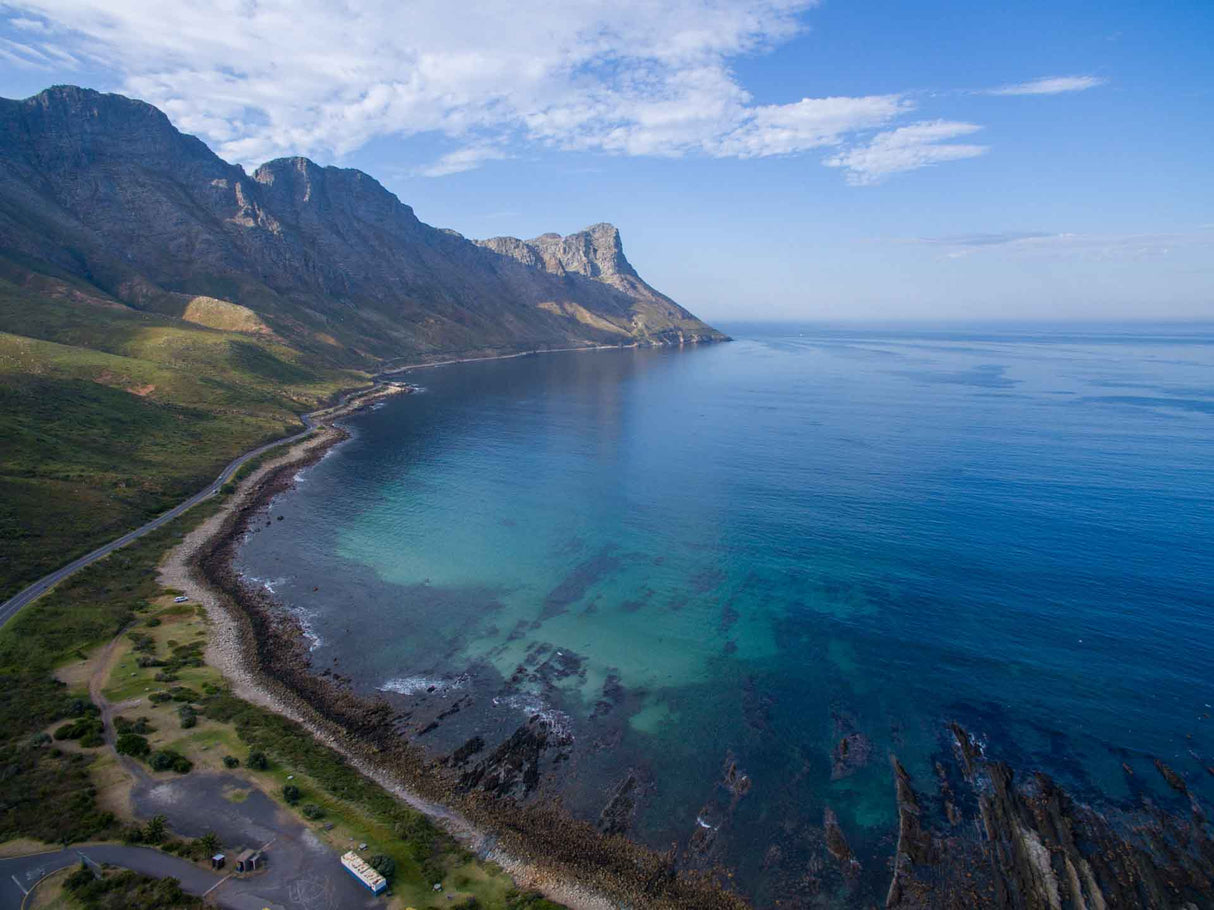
155, 830
258, 761
313, 811
152, 622
139, 725
92, 740
231, 761
168, 760
291, 793
384, 865
132, 744
188, 716
159, 698
79, 729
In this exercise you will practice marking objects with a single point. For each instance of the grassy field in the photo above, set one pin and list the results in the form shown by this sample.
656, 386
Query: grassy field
111, 415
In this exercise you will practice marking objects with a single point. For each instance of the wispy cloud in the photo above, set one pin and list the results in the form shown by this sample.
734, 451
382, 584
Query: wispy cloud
1049, 85
1099, 247
462, 159
904, 149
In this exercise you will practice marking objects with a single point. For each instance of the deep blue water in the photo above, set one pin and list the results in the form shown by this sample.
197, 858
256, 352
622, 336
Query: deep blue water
770, 543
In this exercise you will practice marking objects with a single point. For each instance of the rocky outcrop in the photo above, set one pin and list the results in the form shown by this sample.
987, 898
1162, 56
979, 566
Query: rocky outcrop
105, 188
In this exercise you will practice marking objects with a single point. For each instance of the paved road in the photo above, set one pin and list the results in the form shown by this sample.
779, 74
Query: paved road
13, 605
20, 874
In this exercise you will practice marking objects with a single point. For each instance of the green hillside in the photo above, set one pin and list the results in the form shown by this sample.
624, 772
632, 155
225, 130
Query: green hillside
112, 415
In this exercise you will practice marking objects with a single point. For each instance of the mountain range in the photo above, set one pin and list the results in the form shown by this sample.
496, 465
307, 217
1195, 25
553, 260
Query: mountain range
103, 188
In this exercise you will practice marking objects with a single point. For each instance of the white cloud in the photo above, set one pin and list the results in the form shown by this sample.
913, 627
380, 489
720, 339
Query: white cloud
904, 149
1049, 85
263, 78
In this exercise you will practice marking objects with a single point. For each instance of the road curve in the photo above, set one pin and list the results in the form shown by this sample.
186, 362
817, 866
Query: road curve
18, 875
13, 605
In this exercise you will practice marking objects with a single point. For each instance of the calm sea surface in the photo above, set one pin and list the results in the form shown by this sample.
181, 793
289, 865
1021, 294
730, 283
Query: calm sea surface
753, 549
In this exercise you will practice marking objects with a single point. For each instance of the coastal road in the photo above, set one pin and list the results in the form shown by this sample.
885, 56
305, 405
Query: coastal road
13, 605
18, 875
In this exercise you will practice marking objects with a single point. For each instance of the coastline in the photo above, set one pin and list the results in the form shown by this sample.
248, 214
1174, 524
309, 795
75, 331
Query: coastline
260, 650
977, 834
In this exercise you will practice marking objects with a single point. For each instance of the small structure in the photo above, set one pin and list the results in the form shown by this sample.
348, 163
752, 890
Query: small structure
249, 861
218, 860
361, 870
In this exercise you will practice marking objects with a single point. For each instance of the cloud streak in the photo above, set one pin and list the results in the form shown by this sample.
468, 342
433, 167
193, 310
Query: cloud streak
906, 149
1095, 247
1049, 85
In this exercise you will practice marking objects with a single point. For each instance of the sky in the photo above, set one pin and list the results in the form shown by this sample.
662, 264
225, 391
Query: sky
763, 159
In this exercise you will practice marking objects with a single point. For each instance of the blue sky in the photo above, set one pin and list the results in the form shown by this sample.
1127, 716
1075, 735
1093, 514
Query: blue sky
766, 159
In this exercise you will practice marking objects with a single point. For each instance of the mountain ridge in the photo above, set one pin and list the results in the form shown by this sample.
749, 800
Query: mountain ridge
105, 188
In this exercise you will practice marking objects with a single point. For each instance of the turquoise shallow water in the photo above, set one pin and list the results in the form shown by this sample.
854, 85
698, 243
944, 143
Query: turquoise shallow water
752, 549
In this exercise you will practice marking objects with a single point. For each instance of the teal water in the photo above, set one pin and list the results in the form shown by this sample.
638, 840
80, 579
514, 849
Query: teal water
750, 550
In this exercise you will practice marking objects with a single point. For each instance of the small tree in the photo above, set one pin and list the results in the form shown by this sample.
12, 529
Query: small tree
209, 843
258, 761
313, 811
154, 830
291, 793
231, 761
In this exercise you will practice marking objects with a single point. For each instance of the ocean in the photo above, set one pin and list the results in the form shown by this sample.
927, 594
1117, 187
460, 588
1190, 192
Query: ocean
743, 555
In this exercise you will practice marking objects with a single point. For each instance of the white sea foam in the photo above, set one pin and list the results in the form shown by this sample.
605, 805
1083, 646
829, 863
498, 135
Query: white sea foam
530, 705
411, 685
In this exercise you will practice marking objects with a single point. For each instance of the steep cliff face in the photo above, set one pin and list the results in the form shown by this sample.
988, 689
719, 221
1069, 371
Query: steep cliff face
105, 188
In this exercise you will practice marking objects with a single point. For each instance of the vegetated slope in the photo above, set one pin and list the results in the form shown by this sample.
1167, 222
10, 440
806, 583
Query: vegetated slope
111, 416
105, 188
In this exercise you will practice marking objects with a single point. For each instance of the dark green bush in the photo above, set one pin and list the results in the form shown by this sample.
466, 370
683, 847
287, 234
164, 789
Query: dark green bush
258, 761
132, 744
291, 794
168, 760
231, 761
313, 811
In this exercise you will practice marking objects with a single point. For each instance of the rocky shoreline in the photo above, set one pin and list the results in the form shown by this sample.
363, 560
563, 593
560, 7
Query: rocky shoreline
977, 834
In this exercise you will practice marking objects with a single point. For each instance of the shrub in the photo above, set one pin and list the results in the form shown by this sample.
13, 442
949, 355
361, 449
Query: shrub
79, 729
313, 811
188, 716
152, 621
384, 865
258, 761
166, 676
92, 740
168, 760
132, 744
291, 793
139, 725
159, 698
155, 830
231, 761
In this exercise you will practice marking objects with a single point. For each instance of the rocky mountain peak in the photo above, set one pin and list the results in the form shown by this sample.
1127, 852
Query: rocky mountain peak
595, 252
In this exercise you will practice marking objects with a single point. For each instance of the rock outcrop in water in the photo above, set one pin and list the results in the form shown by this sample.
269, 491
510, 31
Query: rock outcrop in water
1026, 845
103, 188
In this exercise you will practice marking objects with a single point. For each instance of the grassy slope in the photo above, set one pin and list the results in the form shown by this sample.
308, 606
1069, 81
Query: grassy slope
111, 415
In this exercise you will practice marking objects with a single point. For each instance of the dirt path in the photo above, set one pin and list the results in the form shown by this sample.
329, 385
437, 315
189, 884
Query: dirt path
101, 675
